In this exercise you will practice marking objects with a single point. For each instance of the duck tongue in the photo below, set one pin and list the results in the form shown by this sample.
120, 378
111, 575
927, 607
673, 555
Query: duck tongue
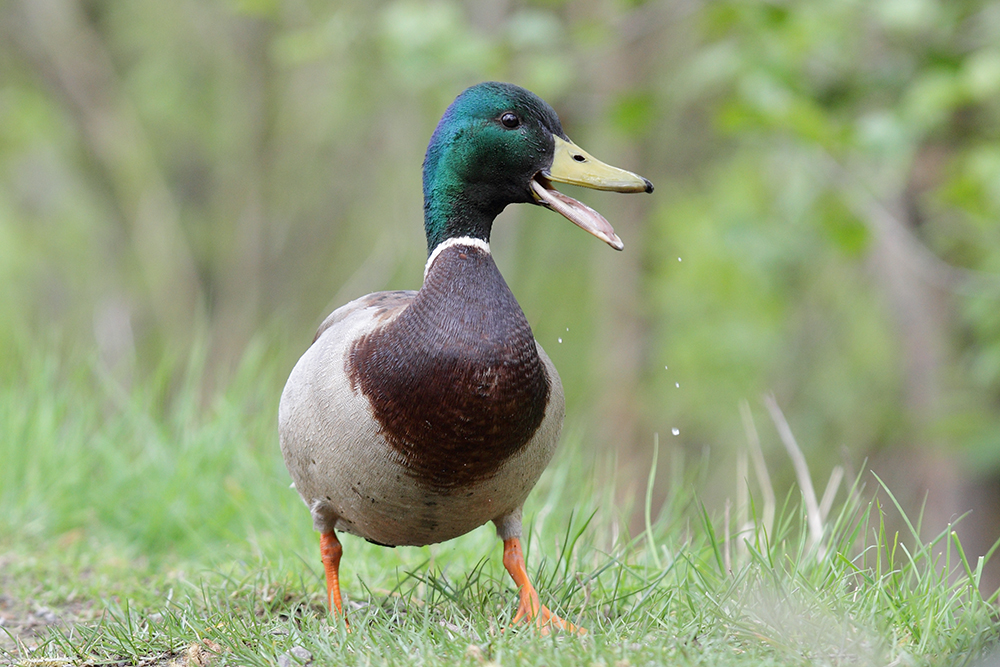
576, 212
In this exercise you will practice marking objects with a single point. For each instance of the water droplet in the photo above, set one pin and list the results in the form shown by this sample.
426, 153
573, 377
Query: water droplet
675, 431
560, 340
677, 384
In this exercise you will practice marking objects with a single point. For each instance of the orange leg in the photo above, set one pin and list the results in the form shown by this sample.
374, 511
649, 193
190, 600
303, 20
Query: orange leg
530, 607
330, 550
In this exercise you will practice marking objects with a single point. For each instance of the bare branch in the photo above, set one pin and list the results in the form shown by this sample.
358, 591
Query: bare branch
759, 466
813, 517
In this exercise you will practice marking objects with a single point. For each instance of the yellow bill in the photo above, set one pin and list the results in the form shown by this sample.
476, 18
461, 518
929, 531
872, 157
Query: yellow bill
571, 164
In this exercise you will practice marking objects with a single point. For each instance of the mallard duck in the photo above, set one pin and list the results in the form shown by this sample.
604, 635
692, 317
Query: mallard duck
415, 417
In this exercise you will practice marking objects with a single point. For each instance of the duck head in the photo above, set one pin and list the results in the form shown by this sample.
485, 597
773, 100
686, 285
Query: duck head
500, 144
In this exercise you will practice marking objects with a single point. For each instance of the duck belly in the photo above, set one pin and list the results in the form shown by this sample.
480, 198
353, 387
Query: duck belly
354, 479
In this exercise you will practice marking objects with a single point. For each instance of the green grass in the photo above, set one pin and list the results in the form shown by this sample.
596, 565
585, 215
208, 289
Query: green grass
149, 525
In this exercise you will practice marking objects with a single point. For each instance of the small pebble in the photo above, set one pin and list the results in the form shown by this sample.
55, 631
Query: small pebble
302, 653
296, 656
45, 614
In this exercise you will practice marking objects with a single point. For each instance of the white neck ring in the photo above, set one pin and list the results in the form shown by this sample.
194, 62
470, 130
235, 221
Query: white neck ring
457, 240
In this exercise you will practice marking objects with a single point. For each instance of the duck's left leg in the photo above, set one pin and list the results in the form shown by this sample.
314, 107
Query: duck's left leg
330, 551
530, 607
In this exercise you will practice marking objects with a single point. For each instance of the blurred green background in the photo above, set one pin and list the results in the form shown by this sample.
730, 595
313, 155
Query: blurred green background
211, 176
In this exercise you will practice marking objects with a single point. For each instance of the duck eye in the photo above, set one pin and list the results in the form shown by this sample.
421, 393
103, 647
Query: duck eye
510, 120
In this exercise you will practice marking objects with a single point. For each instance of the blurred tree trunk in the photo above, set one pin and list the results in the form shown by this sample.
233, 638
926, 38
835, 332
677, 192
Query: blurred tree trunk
242, 200
921, 308
623, 334
67, 51
919, 288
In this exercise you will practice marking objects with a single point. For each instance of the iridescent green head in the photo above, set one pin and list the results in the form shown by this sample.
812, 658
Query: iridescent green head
499, 144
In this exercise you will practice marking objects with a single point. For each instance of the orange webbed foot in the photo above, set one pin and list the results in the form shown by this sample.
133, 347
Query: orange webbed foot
530, 609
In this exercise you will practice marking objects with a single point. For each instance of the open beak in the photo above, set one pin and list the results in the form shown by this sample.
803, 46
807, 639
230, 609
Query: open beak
571, 164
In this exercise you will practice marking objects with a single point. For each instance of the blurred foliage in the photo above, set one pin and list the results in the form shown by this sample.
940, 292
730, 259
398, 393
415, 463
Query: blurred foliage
210, 172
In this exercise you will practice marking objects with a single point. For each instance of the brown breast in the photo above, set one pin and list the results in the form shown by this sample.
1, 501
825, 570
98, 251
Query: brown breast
455, 381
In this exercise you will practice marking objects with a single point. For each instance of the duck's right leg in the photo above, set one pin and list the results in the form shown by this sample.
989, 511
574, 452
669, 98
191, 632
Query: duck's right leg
330, 550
